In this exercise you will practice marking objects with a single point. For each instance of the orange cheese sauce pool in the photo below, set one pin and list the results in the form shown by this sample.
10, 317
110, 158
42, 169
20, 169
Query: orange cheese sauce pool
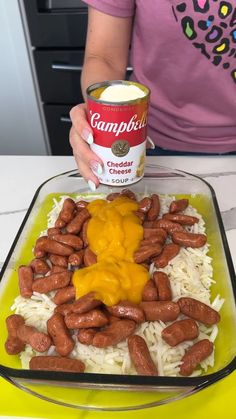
114, 233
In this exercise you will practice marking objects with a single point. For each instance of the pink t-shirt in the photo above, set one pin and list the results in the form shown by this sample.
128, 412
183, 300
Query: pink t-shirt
185, 52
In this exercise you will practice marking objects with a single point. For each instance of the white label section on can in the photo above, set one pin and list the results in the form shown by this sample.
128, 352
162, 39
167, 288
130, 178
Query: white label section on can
120, 171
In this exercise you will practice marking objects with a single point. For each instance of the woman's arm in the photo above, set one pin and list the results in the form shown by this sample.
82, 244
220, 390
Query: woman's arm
107, 48
106, 57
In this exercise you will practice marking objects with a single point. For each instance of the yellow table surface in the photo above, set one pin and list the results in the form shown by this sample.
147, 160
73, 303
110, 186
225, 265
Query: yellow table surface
216, 401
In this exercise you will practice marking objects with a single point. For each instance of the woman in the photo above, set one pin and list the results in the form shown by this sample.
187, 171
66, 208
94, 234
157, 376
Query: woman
185, 52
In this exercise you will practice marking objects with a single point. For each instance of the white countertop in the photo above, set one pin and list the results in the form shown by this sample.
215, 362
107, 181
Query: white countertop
20, 176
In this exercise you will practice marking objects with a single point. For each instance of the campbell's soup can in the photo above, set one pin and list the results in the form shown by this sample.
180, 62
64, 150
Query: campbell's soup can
119, 129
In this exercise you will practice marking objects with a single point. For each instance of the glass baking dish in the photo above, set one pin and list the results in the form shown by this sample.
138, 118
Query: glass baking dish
92, 391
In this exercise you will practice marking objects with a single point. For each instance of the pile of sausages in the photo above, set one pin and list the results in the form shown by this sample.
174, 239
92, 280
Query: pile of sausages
65, 248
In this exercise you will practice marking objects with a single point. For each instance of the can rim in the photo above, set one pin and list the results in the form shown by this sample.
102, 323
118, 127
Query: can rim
108, 83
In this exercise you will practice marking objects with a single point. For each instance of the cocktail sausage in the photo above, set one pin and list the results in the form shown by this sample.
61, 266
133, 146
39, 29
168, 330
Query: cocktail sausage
160, 310
64, 295
145, 252
140, 356
25, 277
169, 252
153, 212
76, 224
189, 239
194, 355
178, 205
56, 363
114, 333
180, 331
127, 310
36, 339
60, 334
13, 344
93, 318
51, 282
163, 286
198, 311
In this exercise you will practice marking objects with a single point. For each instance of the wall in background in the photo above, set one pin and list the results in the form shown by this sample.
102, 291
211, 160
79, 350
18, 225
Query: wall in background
21, 129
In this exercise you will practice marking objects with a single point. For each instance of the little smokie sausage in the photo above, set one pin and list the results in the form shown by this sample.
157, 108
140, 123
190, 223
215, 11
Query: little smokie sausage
114, 333
181, 219
76, 259
47, 245
180, 331
140, 215
68, 210
140, 356
149, 291
89, 257
111, 319
93, 318
53, 230
86, 336
69, 239
165, 311
168, 225
128, 310
194, 355
82, 305
145, 252
148, 224
39, 266
149, 232
13, 344
56, 363
112, 196
59, 260
85, 303
144, 205
152, 240
52, 282
129, 194
186, 239
198, 311
25, 278
63, 309
59, 223
37, 340
153, 212
169, 252
76, 224
178, 205
81, 204
83, 233
60, 334
56, 269
163, 286
64, 295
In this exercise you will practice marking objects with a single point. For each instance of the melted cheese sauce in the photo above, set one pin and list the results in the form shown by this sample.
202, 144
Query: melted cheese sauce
114, 233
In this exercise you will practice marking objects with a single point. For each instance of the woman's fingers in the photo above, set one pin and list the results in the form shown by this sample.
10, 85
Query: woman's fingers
88, 175
150, 144
81, 136
89, 164
79, 120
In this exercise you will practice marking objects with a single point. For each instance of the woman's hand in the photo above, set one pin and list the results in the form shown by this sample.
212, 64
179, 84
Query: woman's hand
81, 136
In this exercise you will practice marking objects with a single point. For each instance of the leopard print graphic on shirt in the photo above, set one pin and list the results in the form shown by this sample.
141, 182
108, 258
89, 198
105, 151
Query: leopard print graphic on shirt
212, 30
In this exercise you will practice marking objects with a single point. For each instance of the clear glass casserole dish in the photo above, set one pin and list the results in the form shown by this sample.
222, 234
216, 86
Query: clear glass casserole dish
93, 391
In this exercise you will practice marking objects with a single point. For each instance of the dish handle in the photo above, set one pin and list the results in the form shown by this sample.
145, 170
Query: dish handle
116, 398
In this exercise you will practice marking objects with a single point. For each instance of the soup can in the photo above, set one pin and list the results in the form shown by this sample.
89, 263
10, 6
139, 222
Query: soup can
120, 132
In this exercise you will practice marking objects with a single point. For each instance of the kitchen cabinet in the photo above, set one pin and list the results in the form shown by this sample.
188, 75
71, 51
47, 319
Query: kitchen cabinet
21, 127
57, 34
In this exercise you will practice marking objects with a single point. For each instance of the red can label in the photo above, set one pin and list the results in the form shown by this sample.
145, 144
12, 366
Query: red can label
120, 132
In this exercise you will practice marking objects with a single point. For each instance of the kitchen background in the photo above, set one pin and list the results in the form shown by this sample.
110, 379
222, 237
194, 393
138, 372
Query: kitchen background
42, 48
